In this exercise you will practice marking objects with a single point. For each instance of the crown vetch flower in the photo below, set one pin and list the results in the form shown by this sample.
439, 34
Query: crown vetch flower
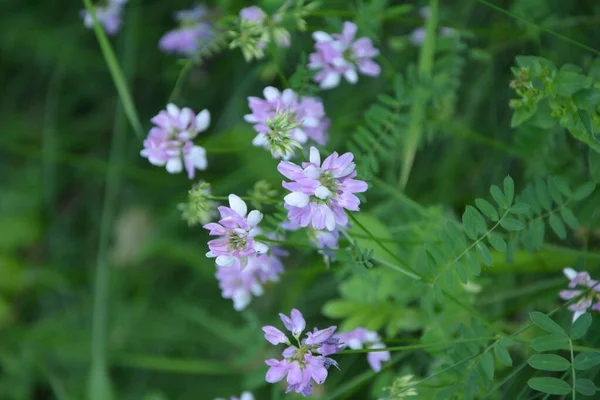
591, 300
339, 54
109, 16
285, 116
306, 363
361, 337
170, 144
193, 32
321, 192
237, 233
244, 396
253, 14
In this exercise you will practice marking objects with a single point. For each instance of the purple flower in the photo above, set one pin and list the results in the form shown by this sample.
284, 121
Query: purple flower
193, 32
237, 234
321, 192
417, 36
340, 54
244, 396
286, 113
253, 14
304, 364
109, 16
169, 143
592, 299
359, 338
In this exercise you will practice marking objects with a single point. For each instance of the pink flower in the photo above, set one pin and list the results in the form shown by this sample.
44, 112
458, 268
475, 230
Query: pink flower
170, 144
321, 192
359, 338
340, 54
304, 117
237, 233
306, 363
581, 279
192, 34
109, 16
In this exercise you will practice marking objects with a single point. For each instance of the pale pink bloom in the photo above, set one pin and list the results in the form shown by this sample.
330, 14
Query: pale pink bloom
360, 338
108, 15
193, 32
584, 281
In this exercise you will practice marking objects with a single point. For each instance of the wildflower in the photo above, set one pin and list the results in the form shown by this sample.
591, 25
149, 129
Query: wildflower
581, 279
321, 192
417, 36
237, 234
108, 15
169, 143
253, 14
199, 209
285, 120
359, 338
305, 363
340, 54
193, 32
244, 396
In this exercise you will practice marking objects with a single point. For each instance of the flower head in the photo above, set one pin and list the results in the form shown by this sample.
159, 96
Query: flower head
359, 338
340, 54
253, 14
256, 31
193, 32
109, 16
592, 299
244, 396
304, 364
321, 192
285, 120
237, 233
198, 209
170, 144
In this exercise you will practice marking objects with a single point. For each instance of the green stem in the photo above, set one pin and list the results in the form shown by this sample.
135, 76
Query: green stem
422, 94
185, 70
296, 244
419, 346
99, 384
572, 367
115, 70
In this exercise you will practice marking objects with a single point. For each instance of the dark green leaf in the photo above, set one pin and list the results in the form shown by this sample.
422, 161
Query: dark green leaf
487, 208
497, 242
549, 343
469, 225
499, 196
562, 185
546, 323
585, 387
477, 219
511, 224
543, 197
487, 365
557, 226
519, 208
570, 218
586, 360
484, 253
568, 82
549, 385
502, 355
580, 326
509, 189
473, 263
584, 191
594, 164
549, 362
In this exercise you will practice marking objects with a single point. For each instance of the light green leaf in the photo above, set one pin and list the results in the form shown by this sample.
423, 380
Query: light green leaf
584, 191
568, 82
586, 360
487, 365
502, 355
546, 323
549, 362
487, 208
549, 385
585, 387
509, 189
557, 226
499, 196
511, 224
570, 218
580, 326
469, 225
520, 208
497, 242
549, 343
477, 219
484, 253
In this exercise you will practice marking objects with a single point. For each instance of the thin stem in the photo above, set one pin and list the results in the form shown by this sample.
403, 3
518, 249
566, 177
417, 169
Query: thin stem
185, 70
572, 367
419, 346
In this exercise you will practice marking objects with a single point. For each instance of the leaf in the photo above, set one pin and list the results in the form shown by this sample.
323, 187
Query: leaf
484, 253
549, 362
562, 186
519, 208
511, 224
584, 191
580, 326
487, 365
549, 343
549, 385
570, 218
509, 189
477, 219
497, 242
594, 164
586, 360
568, 82
469, 225
378, 230
502, 355
557, 226
585, 387
546, 323
487, 208
499, 196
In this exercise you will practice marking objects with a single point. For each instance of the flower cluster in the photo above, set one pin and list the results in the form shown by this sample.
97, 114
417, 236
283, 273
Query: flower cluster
583, 280
108, 15
240, 284
193, 32
305, 363
284, 120
244, 396
359, 338
339, 54
237, 233
417, 37
321, 192
170, 144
